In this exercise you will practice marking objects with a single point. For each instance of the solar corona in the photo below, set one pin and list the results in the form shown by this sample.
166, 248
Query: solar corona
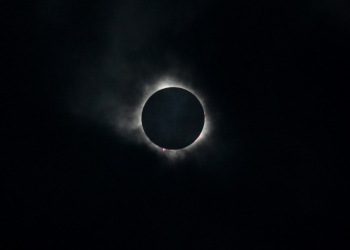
172, 119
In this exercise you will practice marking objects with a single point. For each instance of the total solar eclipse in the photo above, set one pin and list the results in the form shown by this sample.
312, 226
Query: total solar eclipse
173, 118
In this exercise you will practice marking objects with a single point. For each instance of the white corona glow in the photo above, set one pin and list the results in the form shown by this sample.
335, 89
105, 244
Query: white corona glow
135, 120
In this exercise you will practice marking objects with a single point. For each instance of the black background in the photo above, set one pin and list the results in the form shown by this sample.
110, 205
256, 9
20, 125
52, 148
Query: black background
276, 72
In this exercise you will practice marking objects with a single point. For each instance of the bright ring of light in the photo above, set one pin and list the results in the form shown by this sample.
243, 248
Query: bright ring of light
148, 91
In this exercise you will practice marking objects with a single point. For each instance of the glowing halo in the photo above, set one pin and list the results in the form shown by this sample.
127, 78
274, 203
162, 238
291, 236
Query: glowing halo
150, 89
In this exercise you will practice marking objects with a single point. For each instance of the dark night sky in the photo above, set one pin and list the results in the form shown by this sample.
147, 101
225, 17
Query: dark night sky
274, 175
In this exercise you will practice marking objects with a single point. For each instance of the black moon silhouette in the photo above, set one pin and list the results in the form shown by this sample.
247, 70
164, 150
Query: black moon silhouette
173, 118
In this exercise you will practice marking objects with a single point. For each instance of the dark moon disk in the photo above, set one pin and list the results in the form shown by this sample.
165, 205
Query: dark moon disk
173, 118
